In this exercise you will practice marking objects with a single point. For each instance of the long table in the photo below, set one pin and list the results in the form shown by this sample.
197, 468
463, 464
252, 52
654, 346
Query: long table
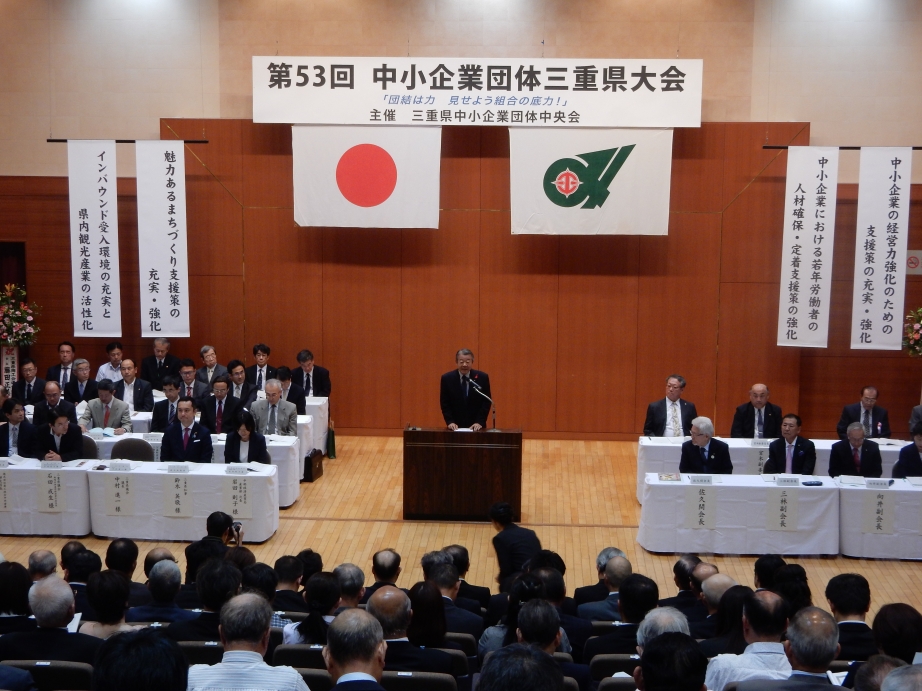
143, 504
662, 454
318, 408
740, 514
44, 502
881, 524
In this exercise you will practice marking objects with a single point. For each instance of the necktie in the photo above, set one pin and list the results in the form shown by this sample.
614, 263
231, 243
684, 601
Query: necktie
760, 425
867, 423
64, 371
172, 418
464, 381
259, 379
676, 427
105, 420
28, 392
185, 438
857, 458
704, 459
217, 418
789, 466
210, 374
82, 384
159, 366
14, 436
272, 421
188, 390
310, 383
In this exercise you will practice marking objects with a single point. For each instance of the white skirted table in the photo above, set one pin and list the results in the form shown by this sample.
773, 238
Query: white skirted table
881, 523
44, 502
318, 407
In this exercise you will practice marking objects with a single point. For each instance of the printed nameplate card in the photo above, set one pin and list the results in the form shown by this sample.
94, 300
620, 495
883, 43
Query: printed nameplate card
178, 468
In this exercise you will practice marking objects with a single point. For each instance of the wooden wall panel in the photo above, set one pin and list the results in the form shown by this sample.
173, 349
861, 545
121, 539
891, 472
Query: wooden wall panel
267, 164
460, 185
697, 169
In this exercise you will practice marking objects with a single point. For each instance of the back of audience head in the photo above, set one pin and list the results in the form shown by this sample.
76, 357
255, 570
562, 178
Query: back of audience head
355, 643
849, 596
713, 590
812, 640
546, 557
604, 556
897, 629
15, 583
446, 579
555, 588
107, 592
218, 524
639, 595
765, 568
730, 618
82, 565
245, 621
461, 558
120, 657
155, 556
682, 570
385, 565
391, 607
70, 549
616, 570
791, 584
700, 574
42, 563
52, 602
525, 588
764, 616
518, 667
908, 678
427, 626
501, 513
164, 581
351, 583
872, 673
658, 621
259, 578
539, 624
290, 571
431, 559
241, 557
122, 555
671, 662
216, 582
322, 596
312, 563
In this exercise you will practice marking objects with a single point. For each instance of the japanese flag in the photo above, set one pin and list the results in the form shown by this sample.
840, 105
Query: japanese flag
366, 177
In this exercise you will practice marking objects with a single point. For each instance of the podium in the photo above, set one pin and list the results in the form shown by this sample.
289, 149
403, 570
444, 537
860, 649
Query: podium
457, 476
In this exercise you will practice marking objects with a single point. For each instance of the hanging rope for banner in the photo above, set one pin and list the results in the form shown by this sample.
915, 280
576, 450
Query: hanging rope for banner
133, 141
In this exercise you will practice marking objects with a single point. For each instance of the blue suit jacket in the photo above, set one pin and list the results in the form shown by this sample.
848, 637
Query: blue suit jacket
198, 450
604, 610
909, 464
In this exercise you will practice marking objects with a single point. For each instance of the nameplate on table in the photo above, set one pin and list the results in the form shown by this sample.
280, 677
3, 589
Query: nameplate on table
50, 496
52, 465
787, 480
914, 481
878, 483
178, 468
120, 466
4, 463
236, 469
781, 505
177, 499
761, 443
4, 491
119, 491
878, 512
237, 497
153, 437
701, 479
700, 507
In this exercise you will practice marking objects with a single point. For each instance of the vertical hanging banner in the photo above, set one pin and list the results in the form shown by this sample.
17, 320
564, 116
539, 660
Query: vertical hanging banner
94, 238
806, 250
163, 261
880, 248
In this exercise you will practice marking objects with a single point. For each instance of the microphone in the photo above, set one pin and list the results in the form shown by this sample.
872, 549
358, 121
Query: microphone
474, 384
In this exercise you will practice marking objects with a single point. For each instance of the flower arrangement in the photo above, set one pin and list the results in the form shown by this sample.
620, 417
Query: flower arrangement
17, 317
912, 333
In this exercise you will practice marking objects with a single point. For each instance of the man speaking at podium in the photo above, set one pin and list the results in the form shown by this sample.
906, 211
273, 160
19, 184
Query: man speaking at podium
462, 404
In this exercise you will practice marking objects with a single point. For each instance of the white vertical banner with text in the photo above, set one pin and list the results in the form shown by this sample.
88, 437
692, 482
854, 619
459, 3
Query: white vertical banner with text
94, 238
806, 251
163, 261
880, 248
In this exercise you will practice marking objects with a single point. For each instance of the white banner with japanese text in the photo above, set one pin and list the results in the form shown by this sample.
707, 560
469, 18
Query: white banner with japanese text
163, 261
880, 248
806, 249
94, 238
590, 181
477, 91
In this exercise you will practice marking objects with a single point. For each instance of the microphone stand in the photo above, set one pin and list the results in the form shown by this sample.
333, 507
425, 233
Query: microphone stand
492, 404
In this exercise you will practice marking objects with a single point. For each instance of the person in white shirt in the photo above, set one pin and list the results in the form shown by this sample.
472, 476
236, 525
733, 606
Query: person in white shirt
112, 369
18, 437
355, 650
244, 631
670, 416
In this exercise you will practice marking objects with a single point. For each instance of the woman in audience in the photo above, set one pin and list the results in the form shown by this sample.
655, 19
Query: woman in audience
241, 557
108, 593
729, 630
244, 444
322, 595
428, 626
791, 584
14, 598
897, 631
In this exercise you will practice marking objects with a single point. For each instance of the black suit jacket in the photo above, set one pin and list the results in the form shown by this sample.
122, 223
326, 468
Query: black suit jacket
590, 593
857, 641
49, 644
578, 632
475, 592
841, 461
514, 546
655, 424
209, 409
26, 442
796, 682
143, 394
199, 449
296, 395
403, 656
803, 463
82, 602
14, 679
622, 641
359, 685
704, 628
40, 412
54, 373
462, 621
321, 377
160, 419
372, 589
247, 394
880, 421
72, 391
688, 604
151, 373
71, 443
718, 458
271, 373
38, 391
289, 601
202, 628
744, 422
257, 453
463, 410
908, 465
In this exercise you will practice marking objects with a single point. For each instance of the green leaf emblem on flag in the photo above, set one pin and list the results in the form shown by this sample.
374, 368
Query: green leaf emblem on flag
569, 182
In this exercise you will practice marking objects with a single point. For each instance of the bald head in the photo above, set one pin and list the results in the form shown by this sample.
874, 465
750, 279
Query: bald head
616, 570
812, 640
700, 574
758, 396
714, 588
391, 607
42, 563
764, 617
155, 555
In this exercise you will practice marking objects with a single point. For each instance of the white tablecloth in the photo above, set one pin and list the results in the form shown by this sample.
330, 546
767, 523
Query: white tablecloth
899, 534
22, 516
207, 487
318, 408
741, 503
140, 422
284, 452
662, 454
306, 436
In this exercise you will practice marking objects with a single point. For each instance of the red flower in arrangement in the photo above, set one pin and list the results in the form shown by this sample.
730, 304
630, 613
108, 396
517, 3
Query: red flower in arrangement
17, 317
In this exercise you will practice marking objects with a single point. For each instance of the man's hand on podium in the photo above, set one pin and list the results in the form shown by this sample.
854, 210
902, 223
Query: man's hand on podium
453, 427
476, 427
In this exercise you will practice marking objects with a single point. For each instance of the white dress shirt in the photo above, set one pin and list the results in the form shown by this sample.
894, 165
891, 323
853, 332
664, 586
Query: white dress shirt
107, 371
670, 431
244, 451
129, 396
758, 661
242, 670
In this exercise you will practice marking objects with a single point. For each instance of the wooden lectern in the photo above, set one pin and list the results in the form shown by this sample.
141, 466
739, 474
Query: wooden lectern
457, 476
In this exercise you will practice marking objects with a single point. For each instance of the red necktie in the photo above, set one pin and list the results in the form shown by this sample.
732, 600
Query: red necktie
185, 438
189, 391
857, 459
105, 421
218, 417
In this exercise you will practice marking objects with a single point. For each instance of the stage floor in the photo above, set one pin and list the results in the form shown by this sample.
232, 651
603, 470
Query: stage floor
579, 496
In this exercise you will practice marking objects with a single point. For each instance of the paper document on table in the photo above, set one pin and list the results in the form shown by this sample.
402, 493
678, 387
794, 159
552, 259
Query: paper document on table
464, 429
851, 480
915, 481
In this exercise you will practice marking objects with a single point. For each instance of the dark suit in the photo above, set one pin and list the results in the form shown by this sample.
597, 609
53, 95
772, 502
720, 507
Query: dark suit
71, 443
479, 593
514, 546
841, 461
198, 450
403, 656
257, 452
359, 685
796, 682
622, 641
199, 390
880, 422
744, 421
203, 628
704, 628
460, 620
54, 373
14, 679
202, 374
209, 408
590, 593
295, 395
603, 610
150, 372
72, 391
251, 372
908, 465
159, 612
41, 412
373, 588
188, 598
578, 632
25, 441
38, 391
580, 673
247, 394
160, 419
718, 462
857, 641
803, 462
655, 423
460, 409
82, 602
138, 594
49, 644
289, 601
688, 604
319, 375
143, 394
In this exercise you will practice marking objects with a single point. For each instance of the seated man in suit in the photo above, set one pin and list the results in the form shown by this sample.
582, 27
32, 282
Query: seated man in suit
106, 411
791, 453
757, 419
260, 373
137, 393
849, 598
658, 621
355, 652
165, 411
314, 379
872, 417
159, 365
17, 436
671, 416
220, 410
210, 369
217, 581
30, 389
462, 561
539, 626
672, 661
41, 413
446, 579
687, 600
638, 596
856, 455
272, 414
59, 439
712, 589
597, 591
111, 370
63, 371
577, 630
185, 439
704, 454
385, 567
288, 597
80, 387
616, 570
241, 389
464, 394
291, 392
191, 386
909, 463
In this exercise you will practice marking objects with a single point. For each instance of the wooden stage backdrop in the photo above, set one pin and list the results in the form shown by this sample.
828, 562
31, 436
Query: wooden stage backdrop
578, 333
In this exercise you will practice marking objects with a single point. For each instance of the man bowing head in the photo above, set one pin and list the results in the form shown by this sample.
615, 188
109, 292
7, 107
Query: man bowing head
465, 394
704, 454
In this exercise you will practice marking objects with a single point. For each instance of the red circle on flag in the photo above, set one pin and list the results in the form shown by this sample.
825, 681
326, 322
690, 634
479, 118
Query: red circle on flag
366, 175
